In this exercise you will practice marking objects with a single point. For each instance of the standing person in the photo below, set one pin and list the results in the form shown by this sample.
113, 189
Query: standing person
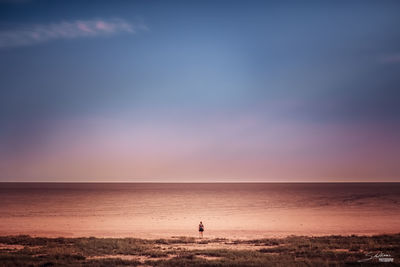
201, 229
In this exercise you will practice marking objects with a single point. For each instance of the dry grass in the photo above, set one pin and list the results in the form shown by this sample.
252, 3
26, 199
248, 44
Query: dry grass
187, 251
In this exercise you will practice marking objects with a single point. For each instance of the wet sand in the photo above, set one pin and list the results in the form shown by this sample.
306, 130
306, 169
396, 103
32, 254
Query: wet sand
245, 211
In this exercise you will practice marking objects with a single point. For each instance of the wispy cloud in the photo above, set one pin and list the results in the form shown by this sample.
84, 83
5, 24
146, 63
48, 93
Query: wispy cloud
35, 34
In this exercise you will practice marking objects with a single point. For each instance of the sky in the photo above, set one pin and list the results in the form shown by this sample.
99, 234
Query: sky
199, 91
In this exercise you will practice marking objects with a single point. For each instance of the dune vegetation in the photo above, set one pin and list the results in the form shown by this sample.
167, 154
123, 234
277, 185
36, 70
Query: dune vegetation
187, 251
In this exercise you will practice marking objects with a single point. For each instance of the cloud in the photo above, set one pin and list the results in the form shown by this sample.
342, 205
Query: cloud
35, 34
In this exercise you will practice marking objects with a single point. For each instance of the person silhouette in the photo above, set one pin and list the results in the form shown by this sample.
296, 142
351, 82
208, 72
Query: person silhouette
201, 229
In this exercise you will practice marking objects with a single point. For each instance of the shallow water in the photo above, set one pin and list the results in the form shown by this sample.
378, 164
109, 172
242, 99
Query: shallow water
241, 210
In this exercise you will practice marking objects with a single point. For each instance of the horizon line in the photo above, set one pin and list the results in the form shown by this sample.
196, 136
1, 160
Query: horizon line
193, 182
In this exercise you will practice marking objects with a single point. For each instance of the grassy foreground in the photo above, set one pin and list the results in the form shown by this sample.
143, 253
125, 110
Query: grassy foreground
185, 251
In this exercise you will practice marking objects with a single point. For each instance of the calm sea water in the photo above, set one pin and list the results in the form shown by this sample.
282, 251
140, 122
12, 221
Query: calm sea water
241, 210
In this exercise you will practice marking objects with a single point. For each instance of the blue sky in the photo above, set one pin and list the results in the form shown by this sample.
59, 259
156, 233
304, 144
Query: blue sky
199, 90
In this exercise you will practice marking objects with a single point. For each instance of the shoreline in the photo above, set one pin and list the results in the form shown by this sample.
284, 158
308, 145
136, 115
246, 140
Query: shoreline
146, 236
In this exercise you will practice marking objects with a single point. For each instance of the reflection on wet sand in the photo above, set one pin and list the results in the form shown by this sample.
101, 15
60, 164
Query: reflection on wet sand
227, 210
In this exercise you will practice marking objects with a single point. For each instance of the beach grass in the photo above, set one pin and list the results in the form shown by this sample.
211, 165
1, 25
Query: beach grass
335, 250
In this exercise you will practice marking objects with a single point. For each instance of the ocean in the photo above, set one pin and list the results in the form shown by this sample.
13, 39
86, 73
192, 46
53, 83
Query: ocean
228, 210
